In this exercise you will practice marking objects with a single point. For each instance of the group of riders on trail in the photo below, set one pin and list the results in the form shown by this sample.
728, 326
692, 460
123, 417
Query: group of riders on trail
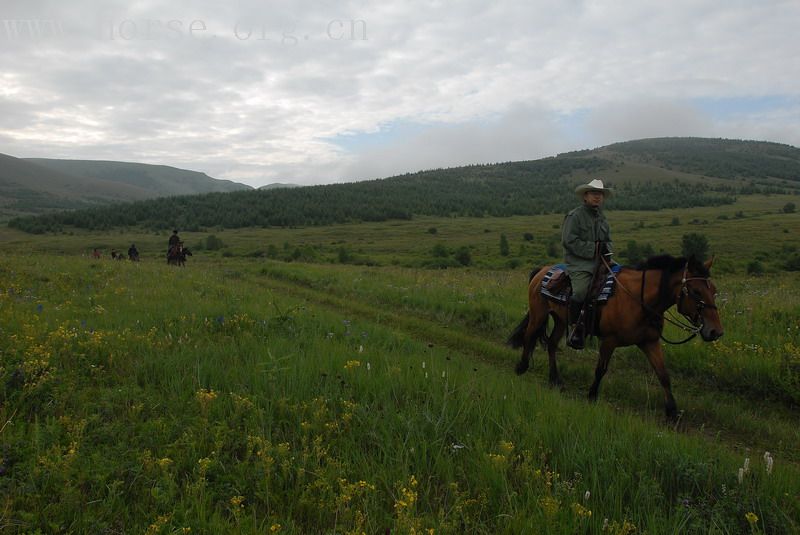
176, 252
621, 306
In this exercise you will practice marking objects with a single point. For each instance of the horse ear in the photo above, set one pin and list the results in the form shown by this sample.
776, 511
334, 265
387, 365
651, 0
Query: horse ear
708, 263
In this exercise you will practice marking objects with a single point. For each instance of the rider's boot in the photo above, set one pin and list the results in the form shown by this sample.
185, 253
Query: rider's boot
575, 340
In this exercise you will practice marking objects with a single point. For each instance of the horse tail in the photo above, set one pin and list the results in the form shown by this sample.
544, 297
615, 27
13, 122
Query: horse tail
533, 273
517, 337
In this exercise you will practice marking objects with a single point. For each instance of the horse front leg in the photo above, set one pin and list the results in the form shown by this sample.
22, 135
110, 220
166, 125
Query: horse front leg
607, 347
655, 355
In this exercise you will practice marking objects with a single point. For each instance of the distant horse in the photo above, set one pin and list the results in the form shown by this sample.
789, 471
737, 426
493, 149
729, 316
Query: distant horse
633, 315
177, 255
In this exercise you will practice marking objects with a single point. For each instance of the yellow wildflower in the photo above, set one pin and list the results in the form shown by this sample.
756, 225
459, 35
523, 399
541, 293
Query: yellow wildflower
581, 511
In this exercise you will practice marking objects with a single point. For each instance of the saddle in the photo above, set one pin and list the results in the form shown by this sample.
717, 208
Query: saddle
556, 285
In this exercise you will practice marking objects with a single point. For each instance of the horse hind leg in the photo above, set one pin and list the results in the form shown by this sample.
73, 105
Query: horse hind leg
533, 332
552, 347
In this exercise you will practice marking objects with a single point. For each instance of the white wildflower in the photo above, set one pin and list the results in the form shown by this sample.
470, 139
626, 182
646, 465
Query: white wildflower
768, 459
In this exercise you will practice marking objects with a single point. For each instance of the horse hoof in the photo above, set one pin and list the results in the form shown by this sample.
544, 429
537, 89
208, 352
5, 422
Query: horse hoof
557, 385
521, 368
673, 416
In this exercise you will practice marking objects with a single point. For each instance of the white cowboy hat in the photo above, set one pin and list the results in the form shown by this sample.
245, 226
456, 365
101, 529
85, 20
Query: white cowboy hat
594, 185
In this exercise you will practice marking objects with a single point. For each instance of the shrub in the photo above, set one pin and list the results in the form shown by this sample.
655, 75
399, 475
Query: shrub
694, 244
793, 264
213, 243
635, 253
503, 245
528, 236
788, 208
433, 230
755, 268
440, 251
463, 256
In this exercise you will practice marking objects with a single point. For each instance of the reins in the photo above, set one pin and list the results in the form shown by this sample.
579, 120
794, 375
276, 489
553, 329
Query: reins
691, 327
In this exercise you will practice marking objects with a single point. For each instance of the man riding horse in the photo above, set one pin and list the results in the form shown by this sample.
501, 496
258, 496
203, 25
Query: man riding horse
636, 299
585, 235
174, 240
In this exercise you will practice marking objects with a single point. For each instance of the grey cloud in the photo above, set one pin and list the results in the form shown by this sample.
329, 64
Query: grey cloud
493, 81
646, 117
521, 133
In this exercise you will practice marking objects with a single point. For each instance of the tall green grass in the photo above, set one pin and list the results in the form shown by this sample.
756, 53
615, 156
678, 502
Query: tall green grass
138, 398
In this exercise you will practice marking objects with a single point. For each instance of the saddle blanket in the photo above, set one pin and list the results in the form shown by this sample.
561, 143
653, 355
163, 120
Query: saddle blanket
556, 285
607, 290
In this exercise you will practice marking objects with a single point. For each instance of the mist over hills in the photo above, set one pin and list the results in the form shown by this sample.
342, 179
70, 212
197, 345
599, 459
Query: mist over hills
648, 174
40, 185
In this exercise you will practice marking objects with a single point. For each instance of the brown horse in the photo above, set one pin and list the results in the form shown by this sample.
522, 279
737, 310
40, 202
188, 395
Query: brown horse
177, 255
634, 315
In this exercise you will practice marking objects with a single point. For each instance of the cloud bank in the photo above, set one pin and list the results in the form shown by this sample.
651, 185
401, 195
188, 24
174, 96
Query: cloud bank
322, 91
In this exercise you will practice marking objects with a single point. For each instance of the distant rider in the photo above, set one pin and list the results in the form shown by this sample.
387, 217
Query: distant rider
585, 234
174, 241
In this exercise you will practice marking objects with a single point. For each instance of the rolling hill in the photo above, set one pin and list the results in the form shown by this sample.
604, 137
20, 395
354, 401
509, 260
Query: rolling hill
36, 185
648, 174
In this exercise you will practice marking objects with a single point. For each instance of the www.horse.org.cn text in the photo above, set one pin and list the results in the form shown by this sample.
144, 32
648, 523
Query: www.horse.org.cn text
243, 31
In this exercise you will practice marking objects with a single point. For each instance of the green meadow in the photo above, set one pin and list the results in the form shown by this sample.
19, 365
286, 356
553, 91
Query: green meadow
352, 379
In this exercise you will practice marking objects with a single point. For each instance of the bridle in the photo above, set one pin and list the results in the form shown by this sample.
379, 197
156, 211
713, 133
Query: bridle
685, 293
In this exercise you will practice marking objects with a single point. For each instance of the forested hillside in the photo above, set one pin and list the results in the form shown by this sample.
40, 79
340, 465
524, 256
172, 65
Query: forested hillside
644, 173
723, 158
153, 180
33, 186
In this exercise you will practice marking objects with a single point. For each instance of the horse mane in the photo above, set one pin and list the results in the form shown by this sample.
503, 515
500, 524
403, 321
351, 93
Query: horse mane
669, 265
672, 264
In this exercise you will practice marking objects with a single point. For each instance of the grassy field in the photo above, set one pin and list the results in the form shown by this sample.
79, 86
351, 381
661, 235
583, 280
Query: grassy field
248, 394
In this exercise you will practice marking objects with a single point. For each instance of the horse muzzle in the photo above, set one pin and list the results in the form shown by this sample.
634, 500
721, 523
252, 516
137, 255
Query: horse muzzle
709, 334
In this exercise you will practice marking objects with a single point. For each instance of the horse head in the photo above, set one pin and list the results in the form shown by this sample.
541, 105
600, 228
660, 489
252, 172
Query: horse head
697, 299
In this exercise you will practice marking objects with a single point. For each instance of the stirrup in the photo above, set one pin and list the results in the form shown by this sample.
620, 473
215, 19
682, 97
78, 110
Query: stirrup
577, 336
576, 340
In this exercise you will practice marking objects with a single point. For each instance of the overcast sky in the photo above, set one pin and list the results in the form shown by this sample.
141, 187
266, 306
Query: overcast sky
328, 91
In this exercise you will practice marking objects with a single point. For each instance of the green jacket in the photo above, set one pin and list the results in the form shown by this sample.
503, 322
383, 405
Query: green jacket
582, 227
